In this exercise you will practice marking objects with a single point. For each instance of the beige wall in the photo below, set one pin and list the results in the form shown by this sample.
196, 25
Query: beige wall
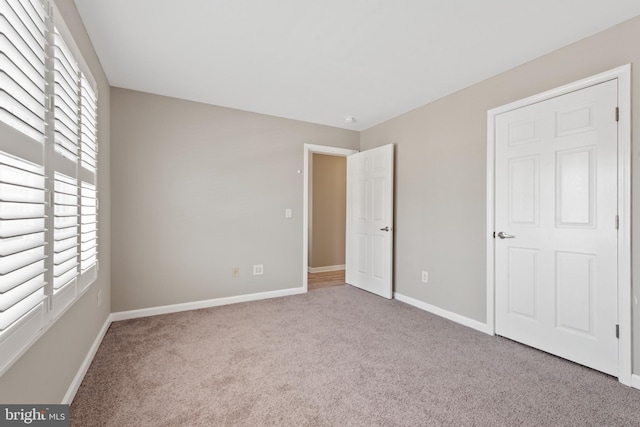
441, 172
329, 210
45, 372
200, 189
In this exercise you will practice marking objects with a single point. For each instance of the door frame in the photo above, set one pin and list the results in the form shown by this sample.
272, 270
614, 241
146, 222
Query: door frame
309, 150
623, 76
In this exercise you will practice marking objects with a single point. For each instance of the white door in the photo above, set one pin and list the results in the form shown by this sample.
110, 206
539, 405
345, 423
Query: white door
555, 222
369, 251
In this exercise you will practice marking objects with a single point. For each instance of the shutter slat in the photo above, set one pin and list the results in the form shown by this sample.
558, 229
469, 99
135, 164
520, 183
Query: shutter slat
64, 256
16, 246
19, 261
63, 279
16, 311
21, 275
64, 267
17, 294
64, 233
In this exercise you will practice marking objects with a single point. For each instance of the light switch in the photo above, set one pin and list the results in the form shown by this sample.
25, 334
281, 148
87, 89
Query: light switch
288, 213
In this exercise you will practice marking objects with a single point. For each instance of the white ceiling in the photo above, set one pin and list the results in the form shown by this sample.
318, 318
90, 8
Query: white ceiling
322, 60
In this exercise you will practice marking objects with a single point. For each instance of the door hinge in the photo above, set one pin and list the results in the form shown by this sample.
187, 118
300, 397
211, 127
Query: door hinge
617, 331
494, 234
617, 114
617, 222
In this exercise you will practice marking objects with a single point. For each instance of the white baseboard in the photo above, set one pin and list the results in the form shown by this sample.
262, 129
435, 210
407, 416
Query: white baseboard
454, 317
635, 381
326, 269
175, 308
84, 367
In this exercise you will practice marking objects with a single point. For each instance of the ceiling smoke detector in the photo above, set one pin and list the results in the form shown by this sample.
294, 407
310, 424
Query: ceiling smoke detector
349, 119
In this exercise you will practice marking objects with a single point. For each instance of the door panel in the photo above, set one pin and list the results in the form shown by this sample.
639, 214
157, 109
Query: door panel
523, 281
556, 193
369, 252
575, 282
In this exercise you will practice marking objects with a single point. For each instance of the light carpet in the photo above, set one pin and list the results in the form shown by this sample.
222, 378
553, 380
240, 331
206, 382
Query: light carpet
336, 356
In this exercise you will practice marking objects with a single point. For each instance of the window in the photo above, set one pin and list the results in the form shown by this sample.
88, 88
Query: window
48, 173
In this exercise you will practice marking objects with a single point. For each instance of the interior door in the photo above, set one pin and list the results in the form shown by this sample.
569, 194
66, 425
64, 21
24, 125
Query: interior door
369, 243
556, 232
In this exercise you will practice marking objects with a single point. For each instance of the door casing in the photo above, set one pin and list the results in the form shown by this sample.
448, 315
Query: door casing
623, 76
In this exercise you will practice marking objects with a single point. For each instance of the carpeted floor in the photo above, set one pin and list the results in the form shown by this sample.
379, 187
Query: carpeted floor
336, 356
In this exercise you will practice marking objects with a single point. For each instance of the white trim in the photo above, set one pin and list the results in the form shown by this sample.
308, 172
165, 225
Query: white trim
454, 317
84, 367
625, 351
195, 305
623, 76
326, 268
309, 149
635, 381
491, 313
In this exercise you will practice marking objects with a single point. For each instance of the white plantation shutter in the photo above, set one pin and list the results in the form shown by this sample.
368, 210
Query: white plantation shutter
65, 235
66, 100
88, 190
48, 165
22, 67
64, 164
22, 242
89, 127
23, 249
89, 227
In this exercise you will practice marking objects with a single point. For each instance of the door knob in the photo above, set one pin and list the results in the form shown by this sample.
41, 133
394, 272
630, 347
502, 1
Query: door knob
385, 229
504, 235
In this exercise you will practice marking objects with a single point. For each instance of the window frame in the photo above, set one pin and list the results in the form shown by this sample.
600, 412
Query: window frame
20, 335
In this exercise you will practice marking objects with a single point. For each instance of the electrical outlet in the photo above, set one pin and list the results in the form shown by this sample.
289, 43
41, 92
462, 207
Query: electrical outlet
425, 277
99, 297
258, 270
235, 272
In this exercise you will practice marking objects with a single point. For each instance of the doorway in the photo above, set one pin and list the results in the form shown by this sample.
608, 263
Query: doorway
369, 227
327, 220
332, 273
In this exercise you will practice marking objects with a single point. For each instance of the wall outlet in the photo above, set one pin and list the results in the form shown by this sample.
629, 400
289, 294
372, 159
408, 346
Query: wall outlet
425, 277
99, 297
235, 272
258, 270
